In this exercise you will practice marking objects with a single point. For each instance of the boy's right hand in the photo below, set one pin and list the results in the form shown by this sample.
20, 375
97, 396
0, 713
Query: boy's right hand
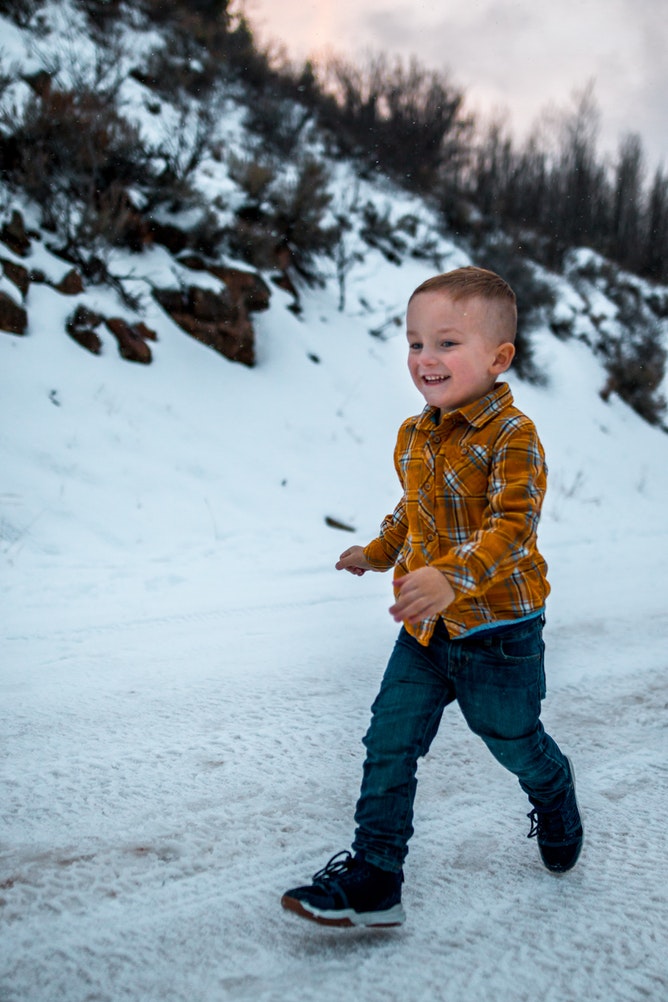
354, 561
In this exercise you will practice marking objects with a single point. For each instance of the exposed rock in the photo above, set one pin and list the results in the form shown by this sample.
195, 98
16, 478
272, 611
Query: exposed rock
71, 284
40, 82
171, 237
80, 326
14, 235
245, 287
130, 344
142, 331
13, 318
193, 261
137, 231
220, 320
17, 274
212, 318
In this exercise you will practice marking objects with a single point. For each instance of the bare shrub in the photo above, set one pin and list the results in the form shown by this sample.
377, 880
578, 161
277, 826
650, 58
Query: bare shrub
380, 231
102, 14
19, 11
636, 367
210, 41
253, 176
181, 153
283, 222
298, 208
74, 154
178, 68
405, 120
278, 122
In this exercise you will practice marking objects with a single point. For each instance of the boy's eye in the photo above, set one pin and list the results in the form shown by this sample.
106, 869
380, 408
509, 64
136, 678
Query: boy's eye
447, 344
414, 345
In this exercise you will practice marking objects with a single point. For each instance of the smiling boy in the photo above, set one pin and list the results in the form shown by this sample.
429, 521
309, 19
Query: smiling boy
470, 590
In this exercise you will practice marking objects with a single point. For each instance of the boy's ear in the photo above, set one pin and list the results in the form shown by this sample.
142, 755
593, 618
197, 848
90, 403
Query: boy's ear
504, 355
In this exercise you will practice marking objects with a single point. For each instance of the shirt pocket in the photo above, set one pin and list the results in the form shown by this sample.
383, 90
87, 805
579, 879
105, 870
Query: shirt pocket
466, 473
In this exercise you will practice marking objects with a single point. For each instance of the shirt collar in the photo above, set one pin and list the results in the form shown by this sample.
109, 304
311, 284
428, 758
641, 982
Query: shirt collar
476, 414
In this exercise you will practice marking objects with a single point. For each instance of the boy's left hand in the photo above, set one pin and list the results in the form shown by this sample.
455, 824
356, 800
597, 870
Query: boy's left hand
422, 593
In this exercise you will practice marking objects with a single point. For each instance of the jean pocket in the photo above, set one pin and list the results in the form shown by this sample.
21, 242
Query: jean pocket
521, 648
525, 650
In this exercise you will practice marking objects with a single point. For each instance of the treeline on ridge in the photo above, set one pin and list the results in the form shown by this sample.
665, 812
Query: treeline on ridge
551, 192
99, 182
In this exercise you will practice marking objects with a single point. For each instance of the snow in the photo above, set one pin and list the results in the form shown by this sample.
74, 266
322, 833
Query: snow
185, 679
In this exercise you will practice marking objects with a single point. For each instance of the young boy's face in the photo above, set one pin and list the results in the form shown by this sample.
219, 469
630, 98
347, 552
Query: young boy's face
454, 355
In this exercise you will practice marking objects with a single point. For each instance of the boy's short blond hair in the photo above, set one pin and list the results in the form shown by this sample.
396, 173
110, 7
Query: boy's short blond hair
478, 283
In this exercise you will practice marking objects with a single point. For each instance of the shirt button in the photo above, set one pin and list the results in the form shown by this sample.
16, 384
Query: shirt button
436, 439
430, 537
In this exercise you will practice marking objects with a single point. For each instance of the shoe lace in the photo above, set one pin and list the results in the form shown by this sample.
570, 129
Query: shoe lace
339, 864
548, 824
534, 819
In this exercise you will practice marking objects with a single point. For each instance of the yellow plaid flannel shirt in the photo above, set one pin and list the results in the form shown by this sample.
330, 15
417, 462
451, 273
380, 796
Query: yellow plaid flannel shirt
473, 486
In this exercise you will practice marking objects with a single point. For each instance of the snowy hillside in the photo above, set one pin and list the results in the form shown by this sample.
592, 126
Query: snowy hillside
185, 679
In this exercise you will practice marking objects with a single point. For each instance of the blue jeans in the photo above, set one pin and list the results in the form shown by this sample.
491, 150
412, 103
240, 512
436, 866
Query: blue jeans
497, 677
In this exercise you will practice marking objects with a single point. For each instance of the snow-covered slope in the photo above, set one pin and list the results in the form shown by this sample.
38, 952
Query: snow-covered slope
185, 679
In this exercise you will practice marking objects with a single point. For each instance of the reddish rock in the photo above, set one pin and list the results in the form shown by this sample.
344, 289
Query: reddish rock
14, 235
220, 320
212, 318
80, 326
40, 82
144, 332
13, 318
193, 261
130, 345
71, 284
17, 274
134, 230
245, 287
171, 237
211, 306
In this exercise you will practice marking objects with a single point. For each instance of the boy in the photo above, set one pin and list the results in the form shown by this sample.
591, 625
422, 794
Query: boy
470, 589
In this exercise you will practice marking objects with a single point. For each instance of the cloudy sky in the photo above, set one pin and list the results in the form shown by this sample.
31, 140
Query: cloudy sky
521, 56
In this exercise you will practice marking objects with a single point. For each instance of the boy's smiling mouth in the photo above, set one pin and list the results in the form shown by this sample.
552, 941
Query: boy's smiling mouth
435, 379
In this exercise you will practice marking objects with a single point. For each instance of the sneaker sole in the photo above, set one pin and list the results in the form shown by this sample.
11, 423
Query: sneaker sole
346, 918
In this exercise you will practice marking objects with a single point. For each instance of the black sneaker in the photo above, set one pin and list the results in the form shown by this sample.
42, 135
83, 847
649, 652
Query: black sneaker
349, 892
559, 831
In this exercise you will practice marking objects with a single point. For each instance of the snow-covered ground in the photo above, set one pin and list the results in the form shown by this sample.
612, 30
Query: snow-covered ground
185, 679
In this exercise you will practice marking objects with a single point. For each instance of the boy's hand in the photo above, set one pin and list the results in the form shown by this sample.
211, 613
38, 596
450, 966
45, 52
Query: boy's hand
353, 560
422, 593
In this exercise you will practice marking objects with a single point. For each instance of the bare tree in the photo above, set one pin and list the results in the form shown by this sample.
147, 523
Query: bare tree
627, 210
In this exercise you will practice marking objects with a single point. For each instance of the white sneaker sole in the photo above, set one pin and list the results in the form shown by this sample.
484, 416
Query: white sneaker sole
346, 917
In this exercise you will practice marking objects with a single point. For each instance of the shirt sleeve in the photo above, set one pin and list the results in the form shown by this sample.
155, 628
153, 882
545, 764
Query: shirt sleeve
384, 550
507, 534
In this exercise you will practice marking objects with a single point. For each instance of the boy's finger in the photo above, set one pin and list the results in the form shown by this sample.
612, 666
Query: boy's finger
412, 608
412, 611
